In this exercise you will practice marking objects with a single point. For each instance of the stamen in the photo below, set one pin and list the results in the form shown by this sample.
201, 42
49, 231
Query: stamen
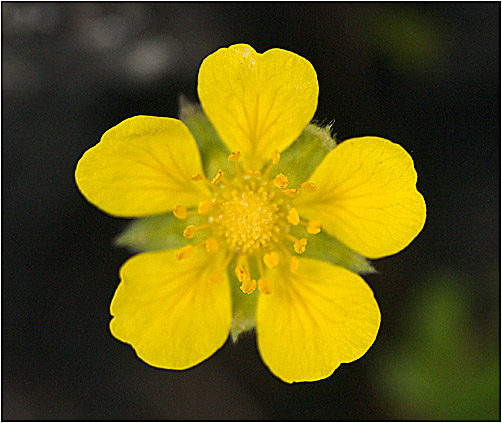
198, 177
293, 217
242, 273
265, 286
300, 245
293, 265
212, 245
248, 286
205, 207
255, 173
180, 211
216, 278
291, 193
271, 260
314, 227
276, 156
234, 156
184, 252
189, 231
308, 187
239, 273
218, 177
281, 181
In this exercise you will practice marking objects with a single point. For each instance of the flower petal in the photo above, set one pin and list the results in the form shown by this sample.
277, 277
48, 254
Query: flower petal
257, 102
314, 320
168, 310
142, 167
366, 196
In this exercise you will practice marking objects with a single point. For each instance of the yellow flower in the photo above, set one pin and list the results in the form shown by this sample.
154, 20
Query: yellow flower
175, 306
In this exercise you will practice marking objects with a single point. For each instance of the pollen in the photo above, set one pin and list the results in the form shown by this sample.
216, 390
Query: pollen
308, 187
212, 245
314, 227
216, 278
184, 252
248, 286
281, 181
189, 231
293, 265
293, 217
218, 177
205, 207
291, 193
248, 220
265, 286
276, 156
300, 245
271, 260
197, 177
180, 211
234, 156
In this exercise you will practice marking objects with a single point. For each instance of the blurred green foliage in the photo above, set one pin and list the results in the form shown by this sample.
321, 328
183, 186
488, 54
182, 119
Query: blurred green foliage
447, 368
410, 40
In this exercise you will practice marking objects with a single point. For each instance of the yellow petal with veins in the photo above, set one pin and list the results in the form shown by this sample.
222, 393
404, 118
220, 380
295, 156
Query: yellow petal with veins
173, 313
366, 196
323, 315
257, 102
142, 167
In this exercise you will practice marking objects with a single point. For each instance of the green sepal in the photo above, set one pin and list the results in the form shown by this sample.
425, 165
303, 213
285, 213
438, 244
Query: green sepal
243, 305
161, 232
301, 158
213, 152
323, 246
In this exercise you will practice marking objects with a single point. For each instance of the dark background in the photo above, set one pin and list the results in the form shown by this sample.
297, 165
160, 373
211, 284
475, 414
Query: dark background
425, 75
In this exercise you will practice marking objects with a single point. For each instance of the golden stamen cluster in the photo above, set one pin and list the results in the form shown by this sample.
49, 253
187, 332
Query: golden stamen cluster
249, 217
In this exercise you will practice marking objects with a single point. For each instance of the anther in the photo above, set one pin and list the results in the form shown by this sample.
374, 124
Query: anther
234, 156
271, 260
218, 177
293, 217
248, 286
197, 177
255, 173
276, 156
216, 278
300, 245
308, 187
180, 211
212, 245
293, 265
205, 207
241, 273
189, 231
291, 193
184, 252
314, 227
281, 181
265, 286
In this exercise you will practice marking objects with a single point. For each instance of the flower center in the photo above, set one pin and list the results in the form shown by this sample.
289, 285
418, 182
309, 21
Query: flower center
248, 220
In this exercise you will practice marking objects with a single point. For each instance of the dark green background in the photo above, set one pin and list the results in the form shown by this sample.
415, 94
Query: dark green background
425, 75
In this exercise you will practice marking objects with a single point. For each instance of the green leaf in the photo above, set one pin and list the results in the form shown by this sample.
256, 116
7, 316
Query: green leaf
301, 158
327, 248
